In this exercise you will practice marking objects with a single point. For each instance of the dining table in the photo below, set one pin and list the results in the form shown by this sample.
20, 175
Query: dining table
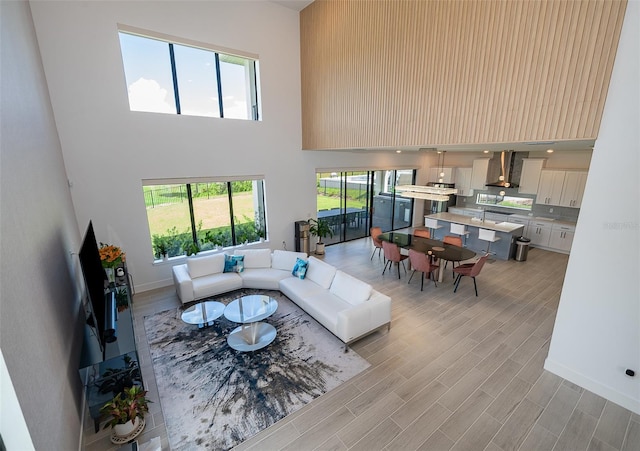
437, 249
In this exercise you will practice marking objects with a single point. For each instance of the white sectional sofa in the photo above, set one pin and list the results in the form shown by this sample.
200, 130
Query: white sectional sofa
348, 307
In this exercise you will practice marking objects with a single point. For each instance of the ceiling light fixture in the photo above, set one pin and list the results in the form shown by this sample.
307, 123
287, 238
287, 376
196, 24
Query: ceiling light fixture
441, 166
549, 150
425, 192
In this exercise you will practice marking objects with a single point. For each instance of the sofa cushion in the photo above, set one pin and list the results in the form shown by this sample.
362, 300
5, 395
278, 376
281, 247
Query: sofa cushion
211, 285
324, 307
255, 258
264, 278
320, 272
350, 289
300, 268
204, 266
233, 263
286, 260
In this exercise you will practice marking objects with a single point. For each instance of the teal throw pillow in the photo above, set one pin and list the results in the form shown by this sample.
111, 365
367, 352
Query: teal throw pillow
300, 268
233, 263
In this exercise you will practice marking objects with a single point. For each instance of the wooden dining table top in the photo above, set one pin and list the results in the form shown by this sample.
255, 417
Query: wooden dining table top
439, 249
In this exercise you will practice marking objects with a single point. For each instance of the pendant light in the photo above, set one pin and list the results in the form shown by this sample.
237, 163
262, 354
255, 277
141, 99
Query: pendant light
441, 166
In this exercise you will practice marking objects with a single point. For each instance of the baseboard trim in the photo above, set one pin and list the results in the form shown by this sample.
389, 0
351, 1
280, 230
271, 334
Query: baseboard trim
587, 383
154, 285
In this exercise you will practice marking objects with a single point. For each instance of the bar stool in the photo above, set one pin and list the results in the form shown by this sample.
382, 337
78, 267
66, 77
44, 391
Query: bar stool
459, 229
489, 236
432, 225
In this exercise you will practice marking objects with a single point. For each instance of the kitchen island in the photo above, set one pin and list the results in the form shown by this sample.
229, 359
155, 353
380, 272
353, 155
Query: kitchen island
506, 233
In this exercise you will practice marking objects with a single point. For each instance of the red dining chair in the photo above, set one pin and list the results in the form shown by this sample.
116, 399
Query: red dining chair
456, 241
471, 270
422, 262
375, 233
422, 233
392, 255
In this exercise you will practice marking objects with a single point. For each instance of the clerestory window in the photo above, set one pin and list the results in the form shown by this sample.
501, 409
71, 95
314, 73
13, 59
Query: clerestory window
167, 76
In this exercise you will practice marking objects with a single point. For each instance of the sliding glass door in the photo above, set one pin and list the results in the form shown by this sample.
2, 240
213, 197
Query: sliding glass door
352, 202
391, 212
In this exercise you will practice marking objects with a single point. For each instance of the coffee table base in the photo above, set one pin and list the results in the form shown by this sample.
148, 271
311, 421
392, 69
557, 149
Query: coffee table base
251, 337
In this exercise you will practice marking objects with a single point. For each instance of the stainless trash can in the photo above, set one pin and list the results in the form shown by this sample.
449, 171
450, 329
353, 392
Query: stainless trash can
522, 250
302, 236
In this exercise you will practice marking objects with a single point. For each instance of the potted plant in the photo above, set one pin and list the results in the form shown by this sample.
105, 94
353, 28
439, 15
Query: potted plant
111, 257
161, 246
321, 229
122, 299
127, 411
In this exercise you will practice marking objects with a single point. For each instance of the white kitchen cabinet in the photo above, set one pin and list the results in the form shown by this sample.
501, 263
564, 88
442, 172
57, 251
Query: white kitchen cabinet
561, 237
463, 181
539, 233
449, 175
479, 173
573, 188
550, 187
524, 222
530, 176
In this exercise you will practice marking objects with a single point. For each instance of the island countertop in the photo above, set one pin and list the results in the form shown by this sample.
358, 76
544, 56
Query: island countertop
505, 227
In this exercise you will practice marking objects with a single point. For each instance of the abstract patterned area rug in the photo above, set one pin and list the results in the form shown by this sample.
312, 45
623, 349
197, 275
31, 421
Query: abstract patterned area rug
215, 398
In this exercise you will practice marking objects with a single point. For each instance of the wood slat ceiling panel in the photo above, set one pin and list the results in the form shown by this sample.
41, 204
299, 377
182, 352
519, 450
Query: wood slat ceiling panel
426, 73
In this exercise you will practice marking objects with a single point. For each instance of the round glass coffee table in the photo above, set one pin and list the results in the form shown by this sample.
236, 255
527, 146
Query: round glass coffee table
203, 313
249, 311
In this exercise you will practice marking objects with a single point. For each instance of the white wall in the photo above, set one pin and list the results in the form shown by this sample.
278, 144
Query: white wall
108, 149
597, 331
40, 320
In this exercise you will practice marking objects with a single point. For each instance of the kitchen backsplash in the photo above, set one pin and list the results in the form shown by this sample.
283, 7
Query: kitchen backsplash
538, 210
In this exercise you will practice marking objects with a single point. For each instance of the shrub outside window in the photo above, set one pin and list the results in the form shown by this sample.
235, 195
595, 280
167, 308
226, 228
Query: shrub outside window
521, 203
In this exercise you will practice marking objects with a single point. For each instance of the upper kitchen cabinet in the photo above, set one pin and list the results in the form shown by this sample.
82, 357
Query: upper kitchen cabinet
530, 177
448, 177
550, 187
463, 181
562, 188
573, 189
479, 173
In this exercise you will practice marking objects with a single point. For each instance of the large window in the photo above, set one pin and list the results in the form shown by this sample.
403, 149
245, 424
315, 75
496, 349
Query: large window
352, 202
168, 77
207, 215
522, 203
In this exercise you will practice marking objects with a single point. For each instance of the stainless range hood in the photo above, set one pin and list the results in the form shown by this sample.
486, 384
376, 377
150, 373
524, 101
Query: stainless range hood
505, 169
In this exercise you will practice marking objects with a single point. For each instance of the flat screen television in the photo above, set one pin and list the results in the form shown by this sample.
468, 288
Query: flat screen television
94, 277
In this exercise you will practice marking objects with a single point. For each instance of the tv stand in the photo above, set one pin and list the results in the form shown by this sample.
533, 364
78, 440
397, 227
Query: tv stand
118, 365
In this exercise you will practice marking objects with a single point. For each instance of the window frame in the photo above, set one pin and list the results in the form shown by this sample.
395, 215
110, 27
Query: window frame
252, 79
260, 214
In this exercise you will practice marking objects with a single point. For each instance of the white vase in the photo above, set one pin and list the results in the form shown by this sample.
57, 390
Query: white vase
124, 430
111, 274
320, 248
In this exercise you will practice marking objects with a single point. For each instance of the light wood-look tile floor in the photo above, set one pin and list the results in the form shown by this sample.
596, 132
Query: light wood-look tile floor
454, 372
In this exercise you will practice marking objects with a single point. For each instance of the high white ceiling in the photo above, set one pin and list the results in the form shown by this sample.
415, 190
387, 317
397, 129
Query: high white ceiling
297, 5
